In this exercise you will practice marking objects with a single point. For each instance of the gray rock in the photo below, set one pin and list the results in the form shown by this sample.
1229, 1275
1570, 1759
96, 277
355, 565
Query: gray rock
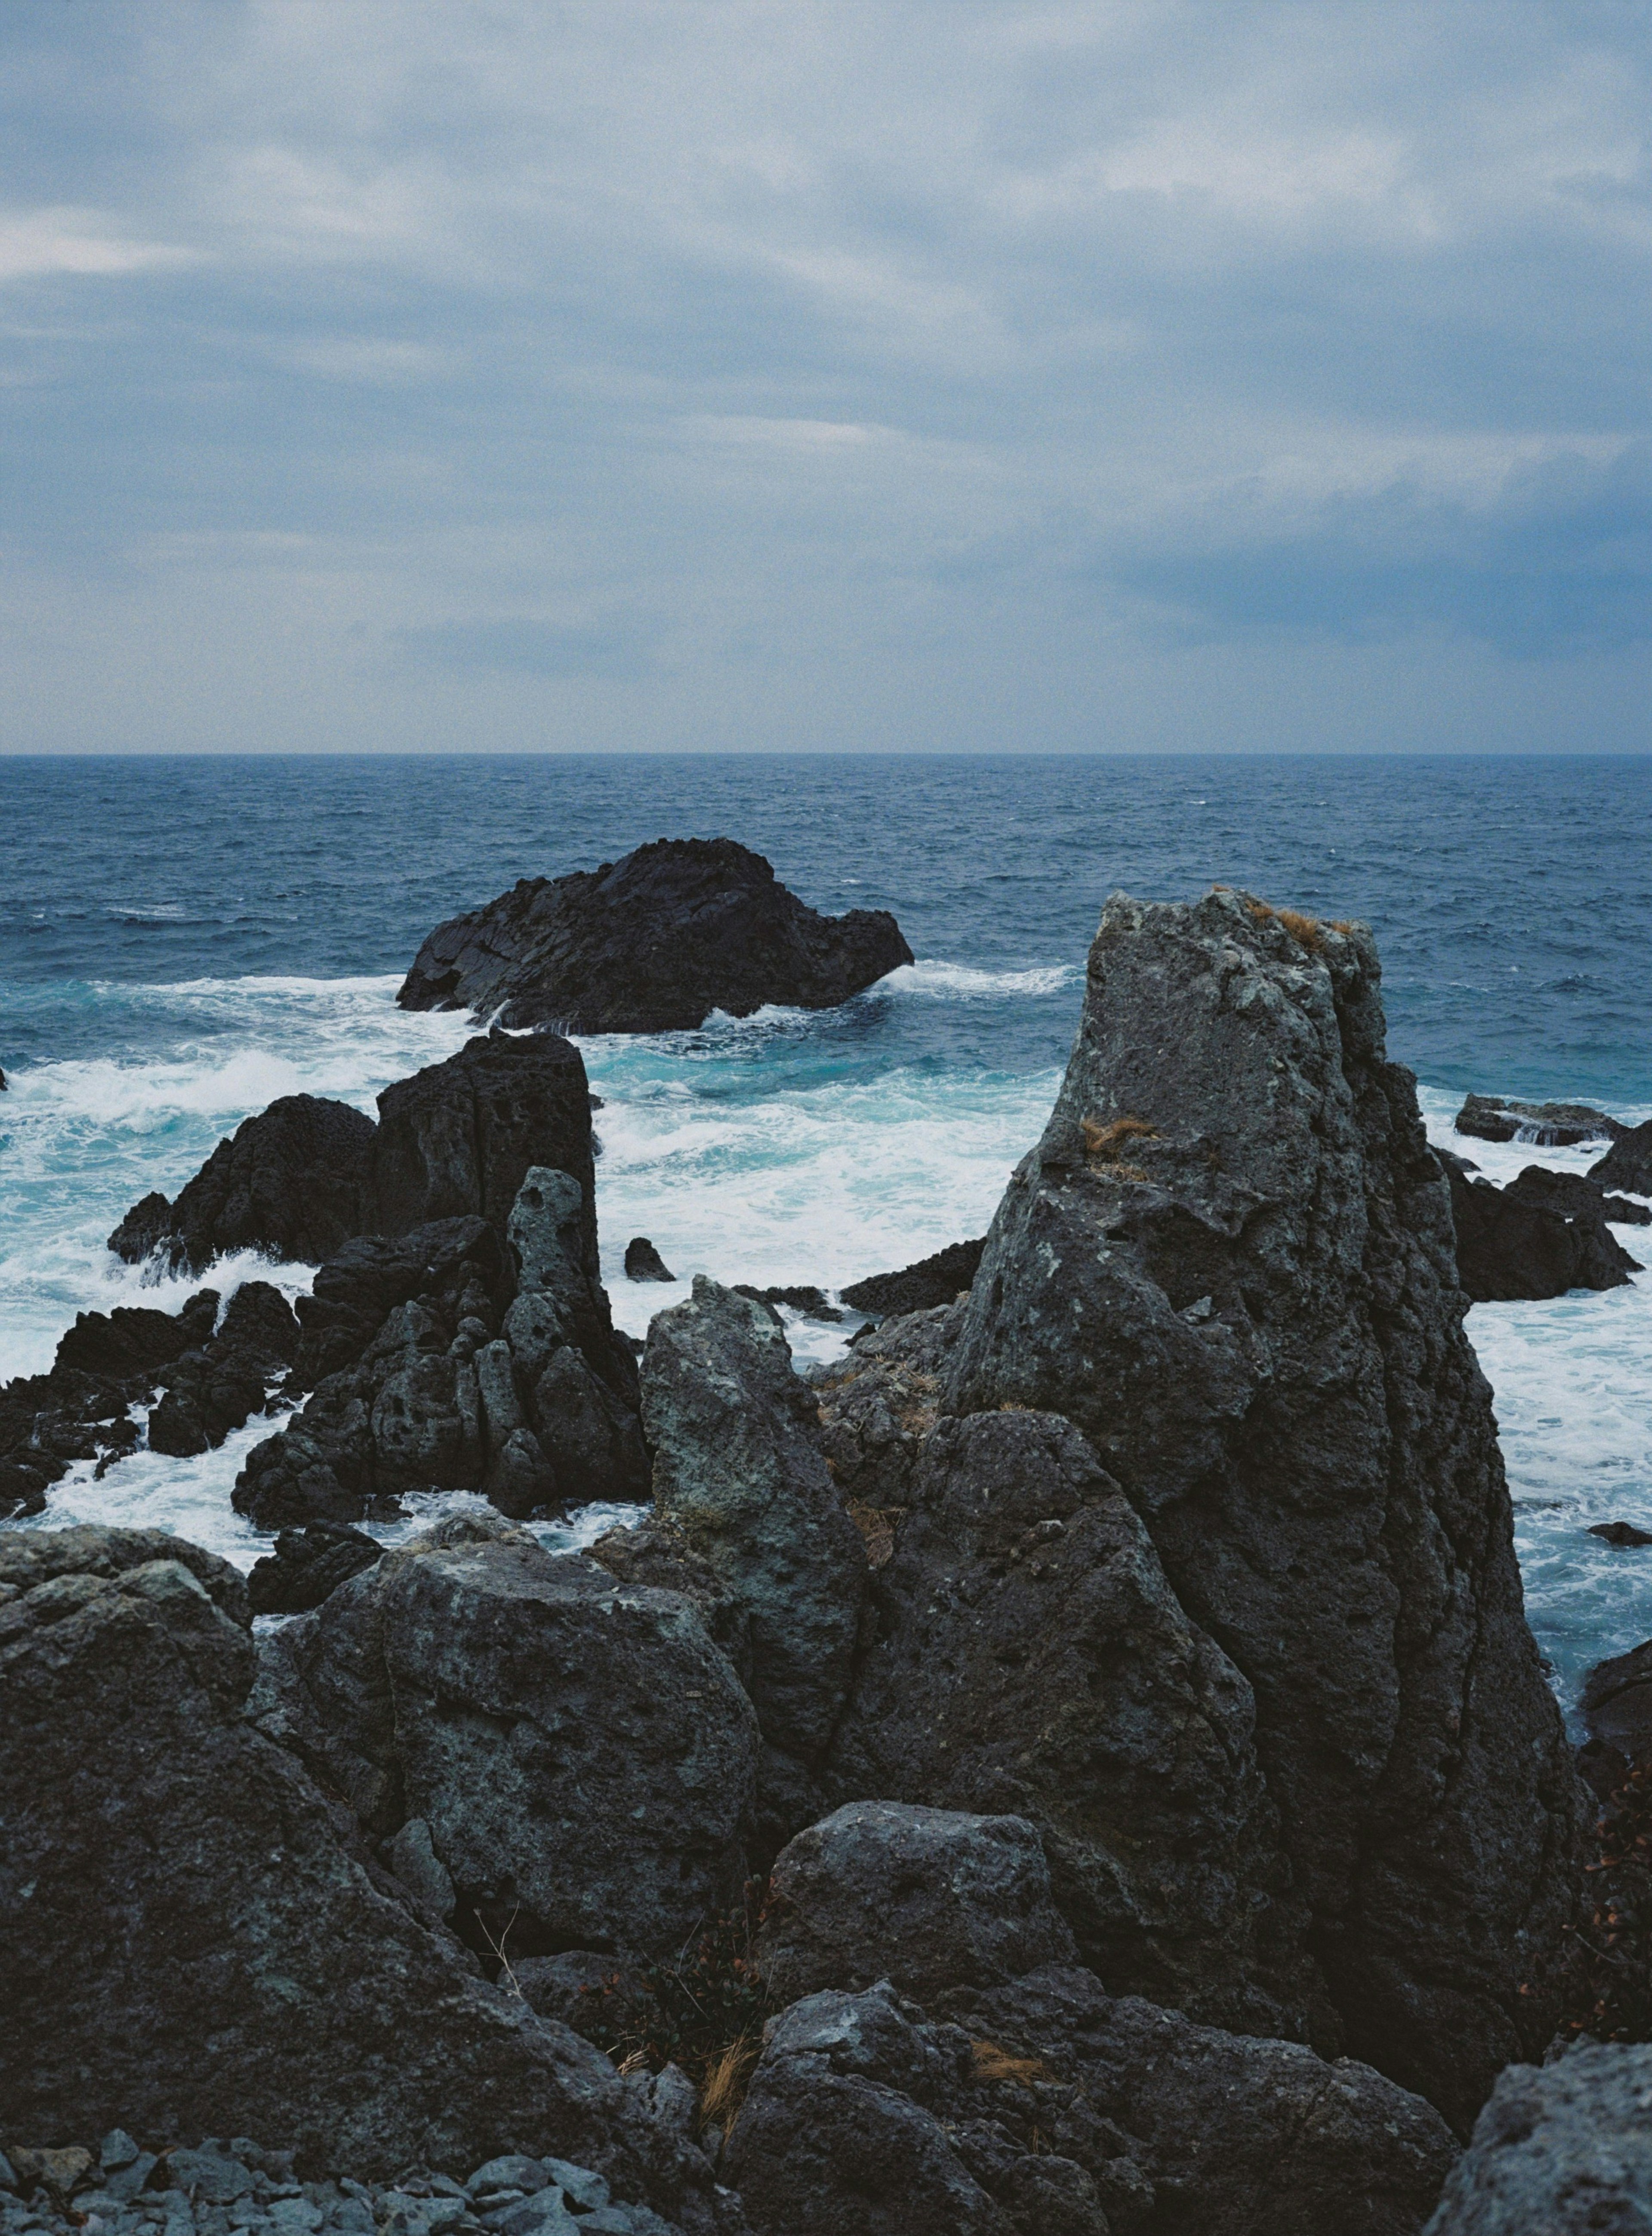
1617, 1704
1628, 1163
422, 1871
1230, 1261
116, 2150
1546, 1125
1509, 1246
1565, 2150
879, 1401
581, 2185
644, 1262
512, 2171
930, 1899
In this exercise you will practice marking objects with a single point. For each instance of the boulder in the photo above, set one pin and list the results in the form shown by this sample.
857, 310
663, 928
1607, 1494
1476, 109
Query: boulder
1546, 1125
308, 1564
651, 944
1564, 2149
929, 1899
1508, 1245
580, 1753
879, 1401
920, 1287
1628, 1163
1230, 1262
1576, 1196
217, 1388
292, 1183
644, 1262
202, 1948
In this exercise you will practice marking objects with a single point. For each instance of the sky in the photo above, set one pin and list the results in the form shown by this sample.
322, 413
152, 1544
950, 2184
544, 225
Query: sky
716, 375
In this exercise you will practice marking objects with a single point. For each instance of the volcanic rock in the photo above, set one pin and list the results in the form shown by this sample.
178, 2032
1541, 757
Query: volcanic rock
1565, 2150
918, 1288
306, 1565
651, 944
1620, 1533
1628, 1163
1546, 1125
879, 1401
216, 1389
1616, 1704
644, 1262
814, 1304
1577, 1196
1230, 1261
1508, 1245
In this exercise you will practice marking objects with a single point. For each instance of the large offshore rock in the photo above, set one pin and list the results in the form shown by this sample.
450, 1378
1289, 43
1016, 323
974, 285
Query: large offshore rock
196, 1946
293, 1182
651, 944
1029, 1656
1628, 1163
736, 1464
1561, 2150
1545, 1125
1509, 1246
1230, 1261
579, 1753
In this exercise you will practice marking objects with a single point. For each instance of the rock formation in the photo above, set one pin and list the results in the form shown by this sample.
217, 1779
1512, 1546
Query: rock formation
1563, 2149
917, 1288
218, 1387
1577, 1196
1512, 1243
1546, 1125
1628, 1163
652, 943
644, 1262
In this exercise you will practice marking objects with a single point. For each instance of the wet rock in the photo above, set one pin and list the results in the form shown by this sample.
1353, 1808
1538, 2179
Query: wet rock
1617, 1706
1621, 1533
293, 1182
1546, 1125
217, 1389
308, 1563
1230, 1261
920, 1287
134, 1339
1628, 1163
1564, 2148
644, 1262
1576, 1196
813, 1303
651, 944
1510, 1247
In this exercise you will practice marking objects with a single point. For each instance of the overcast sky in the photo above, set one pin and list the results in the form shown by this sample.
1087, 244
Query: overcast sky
415, 374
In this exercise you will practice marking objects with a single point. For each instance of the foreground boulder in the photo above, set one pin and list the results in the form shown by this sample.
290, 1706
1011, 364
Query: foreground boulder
1509, 1245
1230, 1261
651, 944
200, 1949
1546, 1125
920, 1287
1628, 1163
1565, 2150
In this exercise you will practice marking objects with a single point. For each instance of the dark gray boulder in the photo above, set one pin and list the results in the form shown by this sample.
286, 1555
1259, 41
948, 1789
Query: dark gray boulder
204, 1950
920, 1287
1617, 1704
878, 1403
1564, 2149
644, 1262
1546, 1125
1509, 1246
651, 944
1230, 1261
308, 1564
1628, 1163
1577, 1196
580, 1754
212, 1390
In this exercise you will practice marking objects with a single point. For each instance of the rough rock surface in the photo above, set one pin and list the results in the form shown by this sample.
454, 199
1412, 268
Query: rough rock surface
644, 1262
1564, 2149
293, 1182
579, 1753
1577, 1196
1509, 1246
920, 1287
1618, 1701
1545, 1125
652, 943
929, 1899
308, 1563
1230, 1261
202, 1950
217, 1388
1628, 1163
879, 1402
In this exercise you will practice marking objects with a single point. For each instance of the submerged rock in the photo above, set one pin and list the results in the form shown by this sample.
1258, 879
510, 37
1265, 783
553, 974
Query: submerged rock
1546, 1125
1565, 2150
1509, 1246
920, 1287
653, 942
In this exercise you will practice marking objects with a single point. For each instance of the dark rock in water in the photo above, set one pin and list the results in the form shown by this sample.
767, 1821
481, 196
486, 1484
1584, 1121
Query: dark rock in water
1576, 1196
644, 1262
813, 1303
1621, 1533
652, 943
1230, 1261
134, 1339
293, 1182
1546, 1125
1509, 1247
580, 1753
218, 1388
1628, 1163
209, 1950
918, 1288
1562, 2149
306, 1565
1617, 1703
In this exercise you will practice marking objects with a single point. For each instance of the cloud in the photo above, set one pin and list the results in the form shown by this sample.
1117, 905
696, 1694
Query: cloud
41, 243
615, 651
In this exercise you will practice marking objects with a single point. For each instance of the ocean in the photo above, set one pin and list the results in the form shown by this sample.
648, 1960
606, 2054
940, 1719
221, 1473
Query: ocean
183, 939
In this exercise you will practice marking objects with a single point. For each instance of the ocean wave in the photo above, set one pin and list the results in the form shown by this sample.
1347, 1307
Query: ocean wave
961, 982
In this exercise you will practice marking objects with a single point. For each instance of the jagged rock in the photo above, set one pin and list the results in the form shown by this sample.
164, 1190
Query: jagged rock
920, 1287
1621, 1533
651, 944
354, 1293
135, 1339
218, 1388
1628, 1163
580, 1752
1230, 1262
879, 1401
814, 1304
929, 1899
308, 1564
1546, 1125
1508, 1245
1029, 1656
1616, 1704
1565, 2150
203, 1951
657, 1551
1576, 1196
293, 1182
644, 1262
736, 1465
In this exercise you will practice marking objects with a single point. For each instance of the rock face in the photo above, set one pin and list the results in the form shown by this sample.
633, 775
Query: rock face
306, 1565
1565, 2150
1628, 1163
1230, 1262
652, 943
879, 1401
218, 1387
1509, 1246
920, 1287
204, 1950
579, 1754
1617, 1701
1546, 1125
1577, 1196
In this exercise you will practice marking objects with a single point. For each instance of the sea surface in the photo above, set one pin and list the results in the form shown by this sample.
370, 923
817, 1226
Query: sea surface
182, 940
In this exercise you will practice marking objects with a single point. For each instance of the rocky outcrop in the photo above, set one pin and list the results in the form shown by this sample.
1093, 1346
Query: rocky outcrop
1576, 1196
1511, 1246
644, 1262
308, 1563
651, 944
1617, 1704
577, 1754
920, 1287
1565, 2150
200, 1949
879, 1402
1230, 1262
1546, 1125
218, 1388
1628, 1163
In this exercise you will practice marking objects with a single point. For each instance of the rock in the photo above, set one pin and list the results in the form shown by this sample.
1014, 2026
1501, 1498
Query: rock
356, 1292
292, 1182
1617, 1706
657, 1551
930, 1899
206, 1952
1546, 1125
736, 1465
1628, 1163
651, 944
1027, 1655
308, 1564
1565, 2150
216, 1389
644, 1262
879, 1401
134, 1339
920, 1287
593, 1991
1230, 1262
1510, 1247
1576, 1196
813, 1303
1621, 1533
581, 1754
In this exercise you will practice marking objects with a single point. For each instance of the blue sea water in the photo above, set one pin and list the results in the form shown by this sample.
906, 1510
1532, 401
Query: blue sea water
183, 939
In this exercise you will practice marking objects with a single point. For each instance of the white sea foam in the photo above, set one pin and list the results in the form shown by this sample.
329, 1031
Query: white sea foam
957, 982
